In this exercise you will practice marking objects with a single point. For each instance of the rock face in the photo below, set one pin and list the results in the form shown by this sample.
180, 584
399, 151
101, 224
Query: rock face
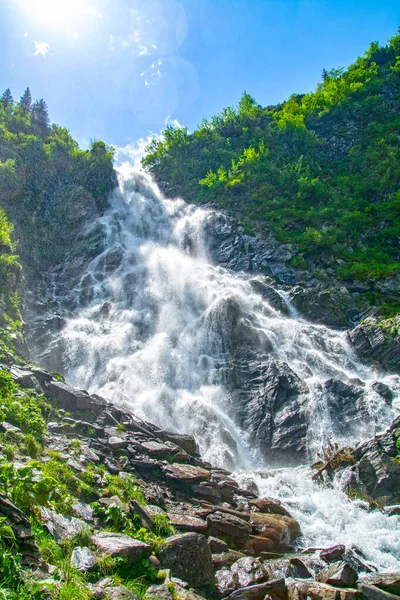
189, 558
376, 344
376, 473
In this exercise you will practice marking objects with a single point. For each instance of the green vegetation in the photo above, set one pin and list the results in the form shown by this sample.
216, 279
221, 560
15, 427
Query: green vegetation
48, 186
321, 170
41, 477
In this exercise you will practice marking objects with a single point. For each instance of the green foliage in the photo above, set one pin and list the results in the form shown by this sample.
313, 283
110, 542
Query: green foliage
321, 170
24, 409
124, 487
48, 186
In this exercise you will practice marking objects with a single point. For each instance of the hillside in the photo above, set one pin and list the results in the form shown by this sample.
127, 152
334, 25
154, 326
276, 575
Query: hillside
321, 171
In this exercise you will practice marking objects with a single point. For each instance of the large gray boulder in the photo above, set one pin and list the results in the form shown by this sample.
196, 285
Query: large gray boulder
120, 545
188, 556
83, 559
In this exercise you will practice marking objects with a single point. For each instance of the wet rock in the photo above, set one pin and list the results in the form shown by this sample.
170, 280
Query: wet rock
249, 571
376, 474
226, 559
343, 404
60, 527
121, 545
313, 590
83, 559
229, 527
270, 294
185, 473
331, 307
279, 530
388, 582
338, 574
374, 343
187, 522
384, 391
270, 505
297, 569
186, 442
217, 545
372, 592
270, 407
333, 554
275, 587
189, 558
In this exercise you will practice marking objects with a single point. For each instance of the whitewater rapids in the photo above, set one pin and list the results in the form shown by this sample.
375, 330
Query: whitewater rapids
146, 333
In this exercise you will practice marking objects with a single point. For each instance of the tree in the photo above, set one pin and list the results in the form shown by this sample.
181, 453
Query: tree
40, 116
7, 98
26, 100
325, 75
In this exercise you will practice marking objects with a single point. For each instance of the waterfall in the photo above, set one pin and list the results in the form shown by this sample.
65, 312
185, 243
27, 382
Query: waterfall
189, 345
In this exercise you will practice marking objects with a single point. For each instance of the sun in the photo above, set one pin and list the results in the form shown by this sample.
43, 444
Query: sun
58, 15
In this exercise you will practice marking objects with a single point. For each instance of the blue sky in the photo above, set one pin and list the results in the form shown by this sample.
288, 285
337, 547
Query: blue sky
117, 70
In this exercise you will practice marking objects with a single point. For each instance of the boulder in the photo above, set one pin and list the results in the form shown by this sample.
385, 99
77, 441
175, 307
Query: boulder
276, 587
314, 590
279, 530
339, 574
120, 545
372, 592
229, 527
217, 545
270, 505
83, 559
225, 582
226, 559
60, 527
189, 558
145, 517
187, 522
297, 569
185, 473
333, 553
388, 582
249, 571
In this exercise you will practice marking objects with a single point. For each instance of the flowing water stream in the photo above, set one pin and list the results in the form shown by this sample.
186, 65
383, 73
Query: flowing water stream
151, 329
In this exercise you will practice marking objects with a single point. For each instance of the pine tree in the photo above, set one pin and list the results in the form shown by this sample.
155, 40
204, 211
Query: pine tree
26, 100
40, 116
7, 98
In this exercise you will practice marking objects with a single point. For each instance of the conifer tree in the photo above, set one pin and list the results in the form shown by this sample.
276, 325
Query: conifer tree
40, 116
26, 100
6, 98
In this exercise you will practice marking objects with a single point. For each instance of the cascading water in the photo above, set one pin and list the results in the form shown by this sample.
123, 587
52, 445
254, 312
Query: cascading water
160, 328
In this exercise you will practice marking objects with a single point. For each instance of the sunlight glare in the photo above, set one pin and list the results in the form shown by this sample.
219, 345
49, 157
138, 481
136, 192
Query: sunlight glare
51, 15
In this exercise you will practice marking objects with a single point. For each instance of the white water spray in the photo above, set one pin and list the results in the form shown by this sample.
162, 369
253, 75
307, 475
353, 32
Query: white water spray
151, 331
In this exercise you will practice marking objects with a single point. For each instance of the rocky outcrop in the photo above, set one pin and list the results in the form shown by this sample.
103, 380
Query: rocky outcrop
377, 342
376, 472
189, 558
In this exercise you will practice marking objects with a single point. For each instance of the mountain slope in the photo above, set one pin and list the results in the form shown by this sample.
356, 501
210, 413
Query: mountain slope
321, 171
